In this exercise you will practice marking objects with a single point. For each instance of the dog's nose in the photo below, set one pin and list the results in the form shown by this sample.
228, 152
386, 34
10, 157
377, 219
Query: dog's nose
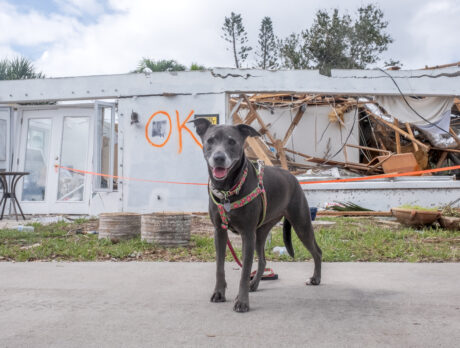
219, 159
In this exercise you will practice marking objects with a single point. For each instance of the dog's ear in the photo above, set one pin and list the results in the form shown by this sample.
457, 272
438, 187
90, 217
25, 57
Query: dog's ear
247, 131
201, 125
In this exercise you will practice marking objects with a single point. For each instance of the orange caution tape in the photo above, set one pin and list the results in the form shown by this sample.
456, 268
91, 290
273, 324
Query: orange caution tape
127, 178
362, 178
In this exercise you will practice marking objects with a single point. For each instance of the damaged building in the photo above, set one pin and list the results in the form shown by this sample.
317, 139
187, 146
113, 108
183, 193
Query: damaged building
122, 142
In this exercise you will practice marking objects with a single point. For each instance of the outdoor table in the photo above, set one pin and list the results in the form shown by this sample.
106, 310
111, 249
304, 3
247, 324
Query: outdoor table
9, 181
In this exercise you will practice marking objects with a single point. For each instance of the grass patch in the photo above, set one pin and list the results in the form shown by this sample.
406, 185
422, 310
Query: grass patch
351, 239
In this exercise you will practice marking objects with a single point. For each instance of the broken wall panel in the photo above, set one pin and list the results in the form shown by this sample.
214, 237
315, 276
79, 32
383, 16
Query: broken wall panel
314, 134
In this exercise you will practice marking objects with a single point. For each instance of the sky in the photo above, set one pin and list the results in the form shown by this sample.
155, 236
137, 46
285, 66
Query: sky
91, 37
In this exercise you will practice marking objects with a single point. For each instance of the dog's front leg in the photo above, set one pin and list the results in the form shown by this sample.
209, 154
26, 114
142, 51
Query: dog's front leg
220, 241
242, 300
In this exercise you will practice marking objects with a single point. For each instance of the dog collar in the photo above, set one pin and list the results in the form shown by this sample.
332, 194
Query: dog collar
227, 206
223, 195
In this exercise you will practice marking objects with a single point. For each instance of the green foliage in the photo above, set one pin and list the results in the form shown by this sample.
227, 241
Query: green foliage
348, 206
159, 65
292, 52
235, 34
338, 41
267, 49
197, 67
18, 69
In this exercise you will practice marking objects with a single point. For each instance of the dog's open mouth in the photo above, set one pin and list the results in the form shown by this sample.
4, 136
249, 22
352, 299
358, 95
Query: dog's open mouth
219, 172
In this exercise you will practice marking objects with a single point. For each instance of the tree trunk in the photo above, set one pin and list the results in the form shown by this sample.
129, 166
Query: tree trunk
234, 48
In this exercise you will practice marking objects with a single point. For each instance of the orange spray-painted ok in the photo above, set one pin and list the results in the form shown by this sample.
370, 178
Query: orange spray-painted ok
180, 127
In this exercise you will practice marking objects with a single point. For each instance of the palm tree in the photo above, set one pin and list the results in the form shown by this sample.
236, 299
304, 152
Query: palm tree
19, 68
147, 64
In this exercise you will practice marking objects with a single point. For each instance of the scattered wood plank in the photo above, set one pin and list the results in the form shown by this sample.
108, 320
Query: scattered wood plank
442, 159
257, 148
400, 131
397, 138
353, 213
282, 155
454, 135
259, 119
409, 130
294, 123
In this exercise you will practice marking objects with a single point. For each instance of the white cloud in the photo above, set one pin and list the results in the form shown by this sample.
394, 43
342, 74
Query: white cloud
189, 31
33, 28
434, 32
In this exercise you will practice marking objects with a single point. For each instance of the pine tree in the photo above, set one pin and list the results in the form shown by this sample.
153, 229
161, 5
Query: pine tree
292, 52
337, 41
236, 35
267, 50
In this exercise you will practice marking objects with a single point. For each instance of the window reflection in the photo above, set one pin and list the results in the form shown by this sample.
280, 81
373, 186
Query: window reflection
36, 159
73, 156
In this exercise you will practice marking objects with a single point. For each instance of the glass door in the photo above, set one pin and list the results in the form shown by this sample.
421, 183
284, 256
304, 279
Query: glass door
55, 143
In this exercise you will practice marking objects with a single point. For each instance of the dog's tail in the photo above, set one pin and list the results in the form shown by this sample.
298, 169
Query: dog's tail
287, 237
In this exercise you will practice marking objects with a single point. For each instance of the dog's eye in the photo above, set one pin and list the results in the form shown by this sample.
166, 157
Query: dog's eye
210, 141
231, 141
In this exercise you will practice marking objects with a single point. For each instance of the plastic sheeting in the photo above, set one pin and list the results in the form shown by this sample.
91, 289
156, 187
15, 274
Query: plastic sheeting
432, 109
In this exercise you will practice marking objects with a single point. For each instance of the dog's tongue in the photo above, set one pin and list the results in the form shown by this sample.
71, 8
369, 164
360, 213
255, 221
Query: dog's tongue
219, 172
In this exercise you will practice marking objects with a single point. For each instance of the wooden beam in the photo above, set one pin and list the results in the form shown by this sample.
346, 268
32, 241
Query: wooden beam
442, 159
259, 119
398, 139
294, 123
368, 148
353, 213
448, 150
281, 153
259, 151
329, 162
454, 135
256, 147
409, 130
406, 135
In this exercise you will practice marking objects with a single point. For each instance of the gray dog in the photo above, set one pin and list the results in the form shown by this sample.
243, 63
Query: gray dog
249, 200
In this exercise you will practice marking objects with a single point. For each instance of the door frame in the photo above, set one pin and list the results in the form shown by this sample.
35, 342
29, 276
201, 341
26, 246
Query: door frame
57, 115
98, 107
9, 137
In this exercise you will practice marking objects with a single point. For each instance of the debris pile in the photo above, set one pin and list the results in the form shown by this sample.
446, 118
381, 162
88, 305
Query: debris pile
369, 141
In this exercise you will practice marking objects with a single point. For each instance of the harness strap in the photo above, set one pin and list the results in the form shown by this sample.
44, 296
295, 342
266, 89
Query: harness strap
259, 190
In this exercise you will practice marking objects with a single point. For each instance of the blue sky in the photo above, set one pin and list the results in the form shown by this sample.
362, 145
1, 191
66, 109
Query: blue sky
86, 37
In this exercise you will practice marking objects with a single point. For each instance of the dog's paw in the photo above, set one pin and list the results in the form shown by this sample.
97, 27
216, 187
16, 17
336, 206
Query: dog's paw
313, 281
240, 307
218, 296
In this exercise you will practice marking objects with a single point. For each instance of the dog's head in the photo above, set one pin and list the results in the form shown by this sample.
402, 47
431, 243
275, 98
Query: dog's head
222, 145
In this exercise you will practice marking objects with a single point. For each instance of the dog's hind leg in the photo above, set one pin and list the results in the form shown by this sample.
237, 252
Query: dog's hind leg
298, 214
261, 237
220, 241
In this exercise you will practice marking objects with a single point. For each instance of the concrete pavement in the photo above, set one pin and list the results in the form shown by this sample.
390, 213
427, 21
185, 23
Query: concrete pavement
146, 304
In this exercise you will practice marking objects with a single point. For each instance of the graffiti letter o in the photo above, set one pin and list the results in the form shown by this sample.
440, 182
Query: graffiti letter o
147, 129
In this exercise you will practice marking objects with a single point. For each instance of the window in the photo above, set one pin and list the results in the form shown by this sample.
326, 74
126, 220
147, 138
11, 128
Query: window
106, 148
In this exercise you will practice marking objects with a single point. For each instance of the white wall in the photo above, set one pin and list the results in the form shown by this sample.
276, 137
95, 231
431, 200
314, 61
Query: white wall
142, 160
